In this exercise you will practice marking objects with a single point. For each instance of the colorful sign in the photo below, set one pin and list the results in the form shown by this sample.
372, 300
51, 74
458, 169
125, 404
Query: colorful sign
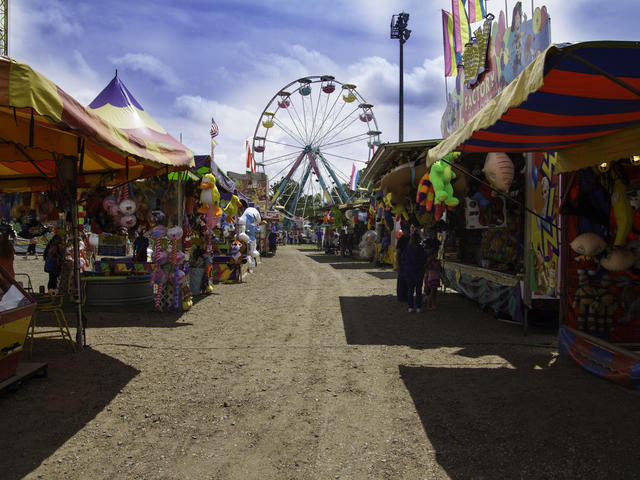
545, 245
253, 185
270, 215
510, 50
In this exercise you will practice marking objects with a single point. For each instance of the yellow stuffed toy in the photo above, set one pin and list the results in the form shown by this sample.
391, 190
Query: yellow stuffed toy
231, 210
209, 195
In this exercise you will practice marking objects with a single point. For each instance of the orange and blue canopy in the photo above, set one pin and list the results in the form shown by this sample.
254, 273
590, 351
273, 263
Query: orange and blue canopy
581, 100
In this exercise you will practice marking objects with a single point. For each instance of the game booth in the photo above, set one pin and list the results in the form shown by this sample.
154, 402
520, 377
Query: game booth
391, 176
572, 114
52, 148
225, 241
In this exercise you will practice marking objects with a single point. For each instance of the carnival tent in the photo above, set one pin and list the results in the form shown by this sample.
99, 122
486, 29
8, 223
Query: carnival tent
581, 100
119, 107
42, 127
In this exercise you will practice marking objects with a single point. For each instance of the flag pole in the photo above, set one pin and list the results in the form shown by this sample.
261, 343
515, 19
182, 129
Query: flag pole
506, 14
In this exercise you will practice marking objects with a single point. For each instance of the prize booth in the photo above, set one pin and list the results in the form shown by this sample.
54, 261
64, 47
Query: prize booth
53, 145
573, 113
391, 176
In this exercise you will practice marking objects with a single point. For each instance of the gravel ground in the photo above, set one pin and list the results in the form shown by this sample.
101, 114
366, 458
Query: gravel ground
310, 369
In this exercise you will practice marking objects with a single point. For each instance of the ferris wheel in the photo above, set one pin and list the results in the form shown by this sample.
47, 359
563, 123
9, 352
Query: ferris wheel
308, 138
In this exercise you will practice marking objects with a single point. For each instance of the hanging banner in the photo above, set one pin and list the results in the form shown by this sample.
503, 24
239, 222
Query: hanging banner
494, 57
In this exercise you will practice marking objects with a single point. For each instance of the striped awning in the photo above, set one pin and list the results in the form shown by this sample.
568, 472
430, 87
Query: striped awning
581, 100
44, 131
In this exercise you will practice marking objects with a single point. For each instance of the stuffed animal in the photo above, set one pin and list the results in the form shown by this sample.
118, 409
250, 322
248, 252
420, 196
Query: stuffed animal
441, 175
425, 195
235, 252
209, 195
231, 210
618, 260
499, 170
623, 212
252, 219
588, 246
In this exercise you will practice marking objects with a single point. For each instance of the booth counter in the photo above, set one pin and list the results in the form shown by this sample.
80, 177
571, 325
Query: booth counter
499, 291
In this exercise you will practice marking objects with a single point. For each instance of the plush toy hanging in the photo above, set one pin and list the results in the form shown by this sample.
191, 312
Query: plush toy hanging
425, 195
158, 275
231, 210
209, 193
618, 260
441, 175
588, 246
499, 170
622, 210
177, 275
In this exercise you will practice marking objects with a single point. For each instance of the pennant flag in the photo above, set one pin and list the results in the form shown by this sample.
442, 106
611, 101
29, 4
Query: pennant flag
475, 10
450, 66
460, 25
251, 160
353, 177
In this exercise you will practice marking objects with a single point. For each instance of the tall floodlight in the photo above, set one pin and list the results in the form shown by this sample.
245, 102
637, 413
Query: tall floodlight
399, 30
4, 27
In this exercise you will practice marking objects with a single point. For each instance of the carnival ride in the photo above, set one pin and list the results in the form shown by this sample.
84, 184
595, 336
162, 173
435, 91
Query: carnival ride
314, 127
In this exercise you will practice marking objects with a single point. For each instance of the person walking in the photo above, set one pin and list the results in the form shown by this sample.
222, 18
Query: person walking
53, 259
140, 245
412, 266
31, 248
401, 244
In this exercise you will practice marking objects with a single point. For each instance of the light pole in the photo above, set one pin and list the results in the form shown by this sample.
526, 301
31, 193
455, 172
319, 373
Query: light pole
399, 30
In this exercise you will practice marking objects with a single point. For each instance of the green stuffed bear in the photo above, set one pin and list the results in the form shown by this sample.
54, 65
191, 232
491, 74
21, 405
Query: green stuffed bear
441, 176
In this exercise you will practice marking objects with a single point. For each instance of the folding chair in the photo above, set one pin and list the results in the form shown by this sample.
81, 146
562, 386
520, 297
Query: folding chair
52, 304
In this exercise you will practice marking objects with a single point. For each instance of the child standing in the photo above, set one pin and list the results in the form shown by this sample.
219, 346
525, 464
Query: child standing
432, 280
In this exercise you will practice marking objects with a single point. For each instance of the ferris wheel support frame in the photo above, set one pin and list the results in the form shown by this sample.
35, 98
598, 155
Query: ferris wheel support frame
314, 165
299, 192
344, 198
286, 179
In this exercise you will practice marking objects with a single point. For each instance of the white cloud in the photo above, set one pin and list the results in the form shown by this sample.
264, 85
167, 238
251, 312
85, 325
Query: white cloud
152, 67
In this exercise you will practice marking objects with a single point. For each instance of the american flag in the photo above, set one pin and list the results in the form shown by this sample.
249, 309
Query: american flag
214, 128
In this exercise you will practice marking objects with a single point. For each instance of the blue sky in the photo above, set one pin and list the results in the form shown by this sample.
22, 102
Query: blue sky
190, 60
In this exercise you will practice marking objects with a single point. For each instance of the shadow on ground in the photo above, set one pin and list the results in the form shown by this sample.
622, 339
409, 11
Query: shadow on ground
351, 266
388, 275
328, 258
43, 413
118, 320
458, 322
558, 422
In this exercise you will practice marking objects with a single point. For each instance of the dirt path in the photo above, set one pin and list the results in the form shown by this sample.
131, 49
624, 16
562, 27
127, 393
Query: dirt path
311, 370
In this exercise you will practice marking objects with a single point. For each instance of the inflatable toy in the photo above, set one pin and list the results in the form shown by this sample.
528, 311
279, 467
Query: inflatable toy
499, 170
618, 260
